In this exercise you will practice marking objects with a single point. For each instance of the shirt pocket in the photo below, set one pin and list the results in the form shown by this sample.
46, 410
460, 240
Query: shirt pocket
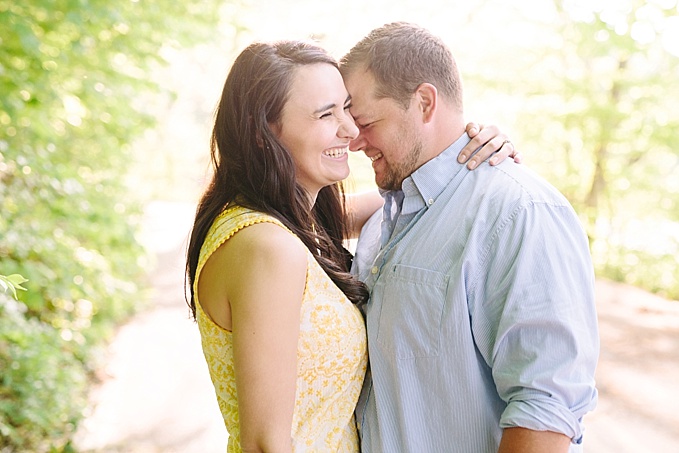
411, 312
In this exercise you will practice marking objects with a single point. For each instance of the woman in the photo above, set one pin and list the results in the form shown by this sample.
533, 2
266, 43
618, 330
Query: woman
270, 289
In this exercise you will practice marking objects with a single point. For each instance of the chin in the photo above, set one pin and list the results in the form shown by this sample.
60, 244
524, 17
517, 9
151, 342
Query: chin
342, 176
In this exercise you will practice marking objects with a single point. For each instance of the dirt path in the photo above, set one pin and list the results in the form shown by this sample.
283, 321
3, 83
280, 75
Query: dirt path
157, 396
638, 373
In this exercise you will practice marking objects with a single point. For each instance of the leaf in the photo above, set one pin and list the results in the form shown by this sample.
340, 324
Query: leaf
12, 283
16, 280
6, 285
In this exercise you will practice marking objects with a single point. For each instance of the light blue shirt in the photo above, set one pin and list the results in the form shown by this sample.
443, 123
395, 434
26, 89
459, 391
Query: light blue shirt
481, 315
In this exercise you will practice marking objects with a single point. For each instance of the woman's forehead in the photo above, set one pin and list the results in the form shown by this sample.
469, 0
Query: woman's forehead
317, 85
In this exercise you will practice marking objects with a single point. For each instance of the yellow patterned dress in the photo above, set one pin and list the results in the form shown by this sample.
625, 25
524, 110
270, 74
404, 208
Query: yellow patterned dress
331, 353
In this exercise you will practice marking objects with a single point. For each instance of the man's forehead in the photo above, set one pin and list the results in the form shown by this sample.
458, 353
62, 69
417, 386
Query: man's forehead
359, 83
363, 100
360, 110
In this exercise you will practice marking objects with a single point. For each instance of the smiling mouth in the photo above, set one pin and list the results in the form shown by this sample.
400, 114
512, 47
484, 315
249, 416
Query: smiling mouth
336, 152
375, 157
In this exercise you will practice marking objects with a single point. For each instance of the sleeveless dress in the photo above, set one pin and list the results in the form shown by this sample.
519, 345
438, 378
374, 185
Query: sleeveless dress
331, 353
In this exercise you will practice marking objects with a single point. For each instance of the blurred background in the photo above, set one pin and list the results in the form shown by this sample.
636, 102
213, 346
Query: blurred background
105, 116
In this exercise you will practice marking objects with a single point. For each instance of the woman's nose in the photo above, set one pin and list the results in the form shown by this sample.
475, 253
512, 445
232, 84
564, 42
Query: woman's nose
348, 128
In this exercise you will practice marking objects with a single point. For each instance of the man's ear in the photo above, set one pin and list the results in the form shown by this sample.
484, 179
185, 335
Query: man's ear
427, 98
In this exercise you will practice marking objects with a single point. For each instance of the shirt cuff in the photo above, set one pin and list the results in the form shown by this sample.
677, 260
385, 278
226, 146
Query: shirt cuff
542, 415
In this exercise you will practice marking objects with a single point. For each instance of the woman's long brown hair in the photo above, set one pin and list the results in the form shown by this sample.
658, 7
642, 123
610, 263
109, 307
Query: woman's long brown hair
253, 169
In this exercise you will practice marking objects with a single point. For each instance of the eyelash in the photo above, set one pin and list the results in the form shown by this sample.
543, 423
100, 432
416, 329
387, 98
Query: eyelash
325, 115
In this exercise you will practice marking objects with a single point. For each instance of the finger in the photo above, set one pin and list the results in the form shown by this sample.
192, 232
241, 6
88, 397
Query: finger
489, 149
495, 150
486, 133
516, 156
506, 150
472, 129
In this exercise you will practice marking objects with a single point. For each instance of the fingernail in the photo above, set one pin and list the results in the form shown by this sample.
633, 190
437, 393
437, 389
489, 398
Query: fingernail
471, 164
473, 130
461, 158
493, 161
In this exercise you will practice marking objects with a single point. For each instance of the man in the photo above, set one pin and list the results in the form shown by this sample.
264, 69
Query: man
482, 330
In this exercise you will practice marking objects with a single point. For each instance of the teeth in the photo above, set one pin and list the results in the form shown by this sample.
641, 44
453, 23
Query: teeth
336, 152
375, 157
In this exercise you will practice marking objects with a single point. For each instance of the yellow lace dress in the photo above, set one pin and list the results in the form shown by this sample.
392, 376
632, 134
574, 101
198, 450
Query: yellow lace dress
331, 353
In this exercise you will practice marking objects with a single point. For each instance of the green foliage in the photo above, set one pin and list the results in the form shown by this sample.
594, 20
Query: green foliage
601, 116
74, 78
43, 385
631, 266
11, 283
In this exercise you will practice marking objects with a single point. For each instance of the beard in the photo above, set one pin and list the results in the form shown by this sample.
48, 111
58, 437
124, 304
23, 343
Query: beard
396, 173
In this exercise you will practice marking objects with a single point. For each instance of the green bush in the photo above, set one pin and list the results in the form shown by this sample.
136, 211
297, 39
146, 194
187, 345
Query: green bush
75, 83
633, 267
43, 386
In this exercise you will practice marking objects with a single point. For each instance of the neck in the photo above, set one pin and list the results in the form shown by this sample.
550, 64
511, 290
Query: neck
311, 198
445, 130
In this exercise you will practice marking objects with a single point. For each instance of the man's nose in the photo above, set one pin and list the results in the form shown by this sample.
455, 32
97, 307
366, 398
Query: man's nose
358, 143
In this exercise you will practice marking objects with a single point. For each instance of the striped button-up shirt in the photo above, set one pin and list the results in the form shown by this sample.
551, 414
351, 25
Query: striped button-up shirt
481, 314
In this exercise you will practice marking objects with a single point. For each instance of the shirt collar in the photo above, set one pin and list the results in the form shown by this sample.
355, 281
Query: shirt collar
426, 183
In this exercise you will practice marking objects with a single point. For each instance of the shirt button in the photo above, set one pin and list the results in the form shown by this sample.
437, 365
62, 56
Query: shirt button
430, 201
374, 270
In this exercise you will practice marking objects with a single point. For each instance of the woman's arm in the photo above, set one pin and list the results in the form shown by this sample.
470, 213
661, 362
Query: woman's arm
264, 275
492, 143
360, 206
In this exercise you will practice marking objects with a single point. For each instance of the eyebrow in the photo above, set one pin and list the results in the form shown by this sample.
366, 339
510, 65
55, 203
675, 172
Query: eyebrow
325, 107
332, 106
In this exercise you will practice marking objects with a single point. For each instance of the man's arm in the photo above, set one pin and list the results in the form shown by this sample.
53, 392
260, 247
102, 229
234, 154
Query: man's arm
522, 440
534, 320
